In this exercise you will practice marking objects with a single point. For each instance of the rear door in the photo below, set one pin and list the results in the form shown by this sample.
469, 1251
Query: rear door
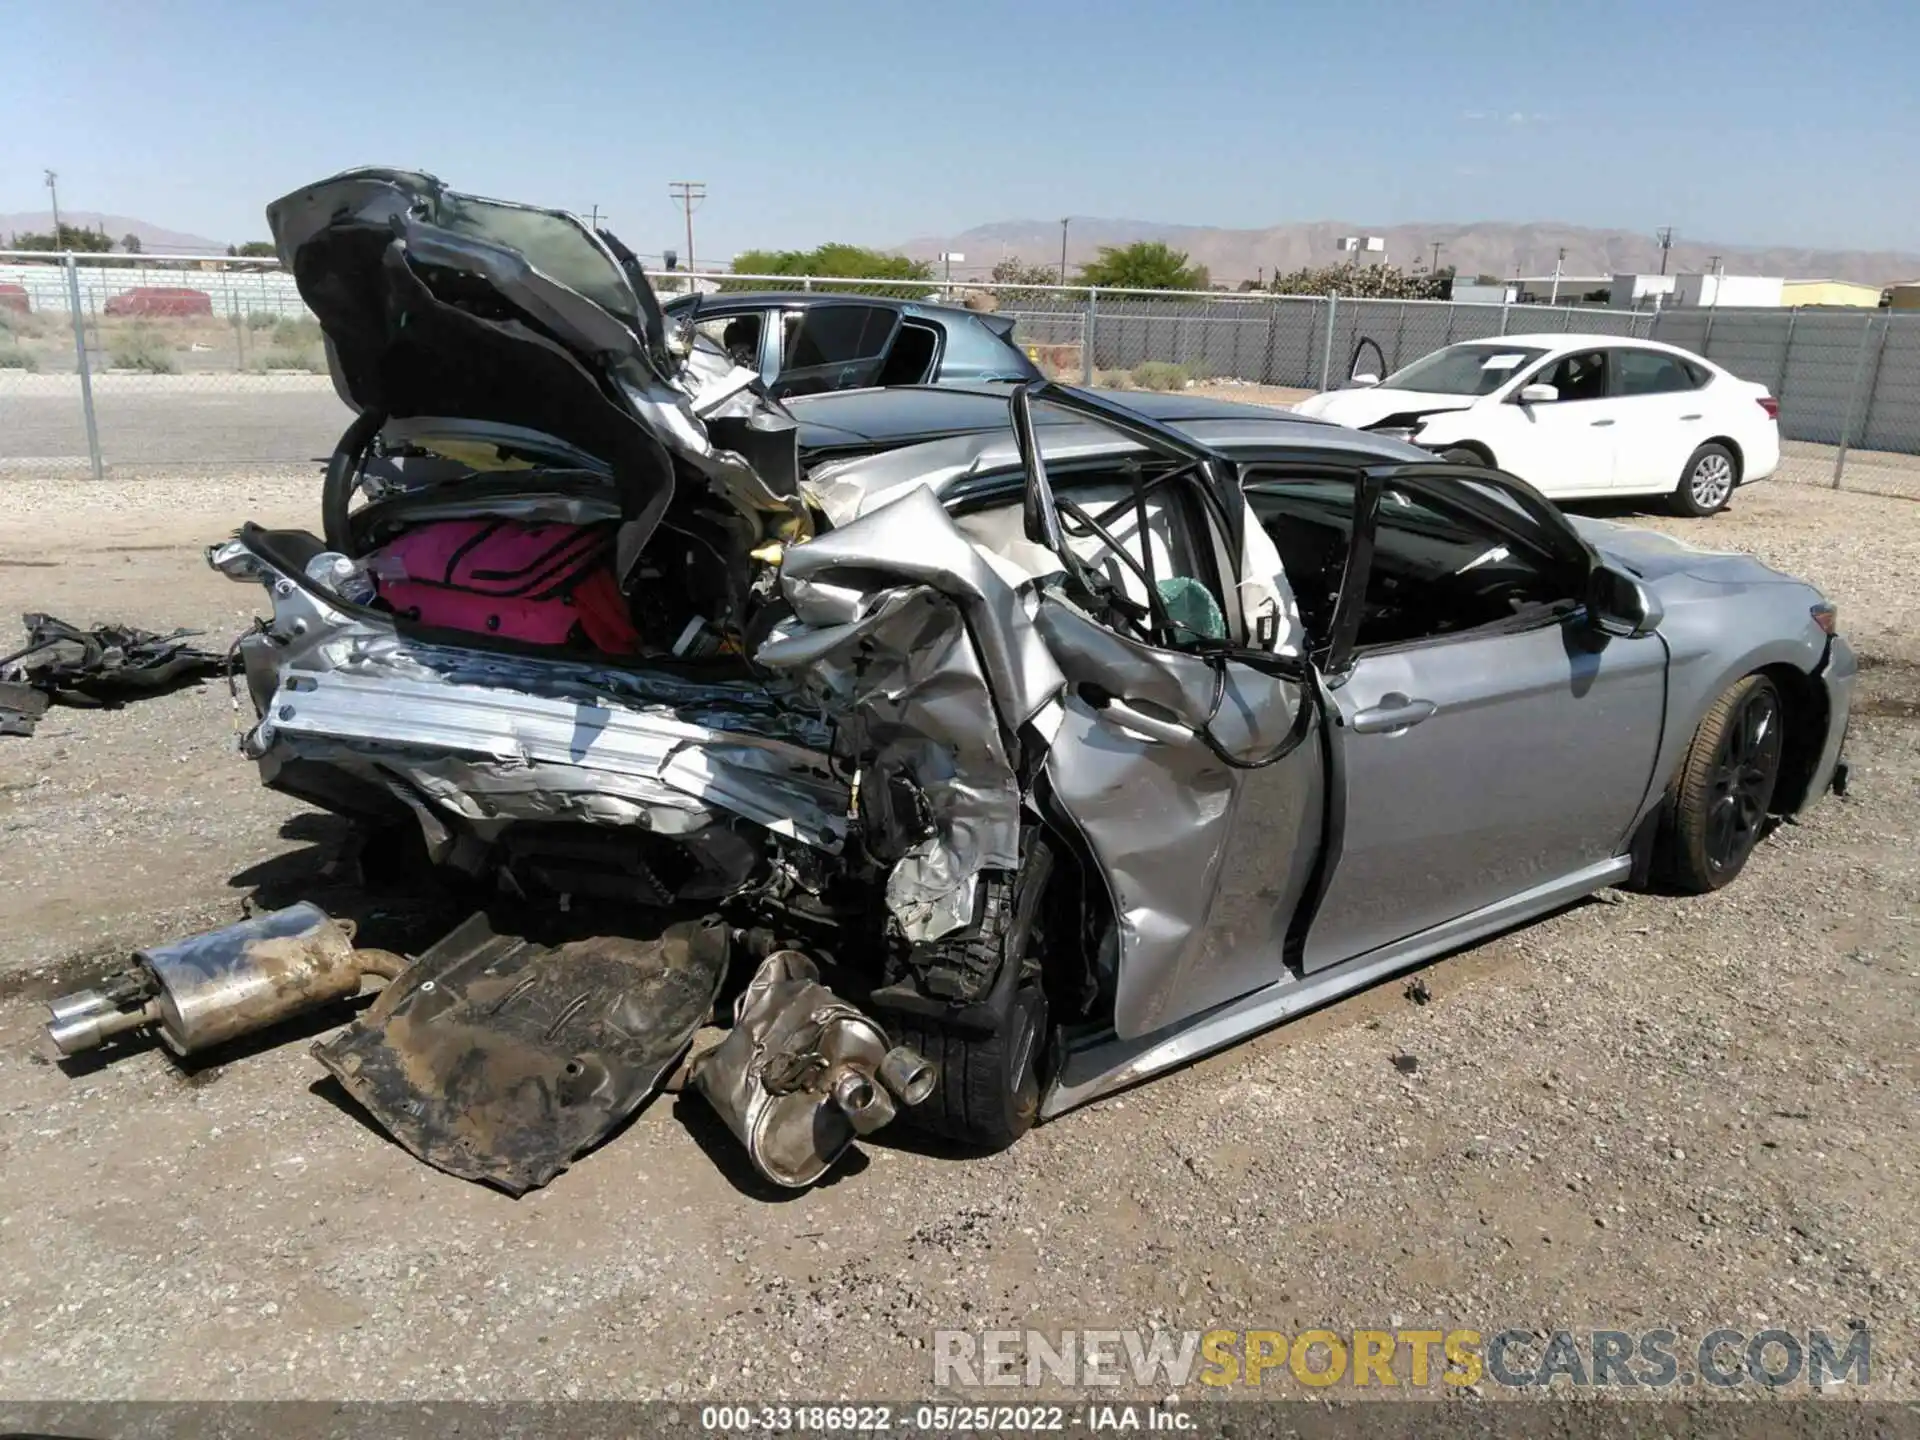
1487, 740
1184, 752
833, 347
1662, 417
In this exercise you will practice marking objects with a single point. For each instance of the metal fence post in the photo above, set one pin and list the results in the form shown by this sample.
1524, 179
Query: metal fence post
1504, 303
1086, 339
1326, 348
80, 361
1853, 400
1786, 353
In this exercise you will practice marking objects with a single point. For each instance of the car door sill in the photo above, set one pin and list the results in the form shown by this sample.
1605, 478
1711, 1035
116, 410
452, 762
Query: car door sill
1107, 1063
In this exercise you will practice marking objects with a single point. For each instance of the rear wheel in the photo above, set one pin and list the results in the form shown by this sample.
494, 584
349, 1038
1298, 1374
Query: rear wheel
1707, 482
1460, 455
987, 1053
1725, 787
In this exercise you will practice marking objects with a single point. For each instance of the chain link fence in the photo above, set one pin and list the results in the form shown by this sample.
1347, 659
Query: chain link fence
132, 362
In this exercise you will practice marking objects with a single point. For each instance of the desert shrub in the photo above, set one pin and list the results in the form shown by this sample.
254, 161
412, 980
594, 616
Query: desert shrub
139, 347
285, 359
1160, 375
262, 319
13, 357
1112, 380
290, 333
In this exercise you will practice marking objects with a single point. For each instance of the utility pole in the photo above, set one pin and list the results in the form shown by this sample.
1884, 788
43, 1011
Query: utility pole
1554, 299
1718, 271
53, 187
688, 194
593, 218
1063, 251
1665, 236
1437, 248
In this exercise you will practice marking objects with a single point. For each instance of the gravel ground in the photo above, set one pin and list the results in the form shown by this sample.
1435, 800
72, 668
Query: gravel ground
1641, 1111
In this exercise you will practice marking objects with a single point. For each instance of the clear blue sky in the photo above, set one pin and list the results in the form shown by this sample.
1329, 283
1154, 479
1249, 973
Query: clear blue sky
1754, 121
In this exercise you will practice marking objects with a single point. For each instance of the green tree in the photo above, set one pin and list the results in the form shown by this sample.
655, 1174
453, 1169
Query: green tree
130, 243
262, 249
71, 237
841, 262
1144, 265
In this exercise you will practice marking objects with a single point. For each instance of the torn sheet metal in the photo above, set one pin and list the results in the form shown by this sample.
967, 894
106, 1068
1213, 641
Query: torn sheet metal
498, 1059
903, 631
492, 737
802, 1073
1185, 841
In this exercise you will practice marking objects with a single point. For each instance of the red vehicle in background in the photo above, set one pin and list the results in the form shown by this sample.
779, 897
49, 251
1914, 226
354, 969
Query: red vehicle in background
159, 300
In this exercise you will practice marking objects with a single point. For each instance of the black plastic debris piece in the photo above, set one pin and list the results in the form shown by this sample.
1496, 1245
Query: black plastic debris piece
1417, 991
21, 707
1406, 1064
105, 666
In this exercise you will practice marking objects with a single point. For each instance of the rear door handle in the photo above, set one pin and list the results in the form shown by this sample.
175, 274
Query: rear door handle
1395, 712
1147, 727
1602, 422
1693, 417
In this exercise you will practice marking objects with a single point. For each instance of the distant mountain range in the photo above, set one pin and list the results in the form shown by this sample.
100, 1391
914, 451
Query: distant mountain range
1482, 247
154, 239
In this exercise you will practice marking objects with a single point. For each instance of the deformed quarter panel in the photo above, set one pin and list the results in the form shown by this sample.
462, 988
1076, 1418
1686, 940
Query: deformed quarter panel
927, 658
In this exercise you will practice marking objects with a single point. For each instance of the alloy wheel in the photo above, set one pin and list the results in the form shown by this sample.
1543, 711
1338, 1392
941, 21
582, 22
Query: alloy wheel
1743, 777
1712, 481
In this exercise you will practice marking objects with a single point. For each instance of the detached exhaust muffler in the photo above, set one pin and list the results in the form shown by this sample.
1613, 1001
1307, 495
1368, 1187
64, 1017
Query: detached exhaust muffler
225, 983
802, 1073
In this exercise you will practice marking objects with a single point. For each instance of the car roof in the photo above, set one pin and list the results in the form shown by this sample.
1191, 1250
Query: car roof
901, 413
1556, 340
858, 483
805, 299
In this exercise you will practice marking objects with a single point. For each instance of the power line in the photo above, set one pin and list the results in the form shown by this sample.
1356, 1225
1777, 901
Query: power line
688, 194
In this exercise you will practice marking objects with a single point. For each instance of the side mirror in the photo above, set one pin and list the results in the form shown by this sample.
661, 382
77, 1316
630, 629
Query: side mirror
1362, 381
1538, 394
1621, 604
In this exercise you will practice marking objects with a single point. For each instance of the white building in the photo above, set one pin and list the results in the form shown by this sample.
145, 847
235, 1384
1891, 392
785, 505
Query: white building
1642, 292
1713, 290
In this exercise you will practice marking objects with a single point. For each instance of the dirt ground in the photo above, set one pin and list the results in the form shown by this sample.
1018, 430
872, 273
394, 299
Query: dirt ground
1642, 1111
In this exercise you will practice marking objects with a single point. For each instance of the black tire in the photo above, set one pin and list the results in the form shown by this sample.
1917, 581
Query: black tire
988, 1091
1720, 798
1707, 481
1461, 455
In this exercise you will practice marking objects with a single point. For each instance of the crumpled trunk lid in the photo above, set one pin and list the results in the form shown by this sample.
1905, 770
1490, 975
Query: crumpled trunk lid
441, 306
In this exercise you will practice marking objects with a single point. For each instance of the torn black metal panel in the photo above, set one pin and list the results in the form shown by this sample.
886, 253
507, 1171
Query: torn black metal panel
499, 1059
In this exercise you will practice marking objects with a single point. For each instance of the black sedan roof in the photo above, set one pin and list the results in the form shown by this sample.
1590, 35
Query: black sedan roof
851, 420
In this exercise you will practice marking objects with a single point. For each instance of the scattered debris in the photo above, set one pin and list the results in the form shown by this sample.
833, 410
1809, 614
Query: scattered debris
1417, 991
802, 1073
105, 666
1406, 1064
498, 1059
213, 987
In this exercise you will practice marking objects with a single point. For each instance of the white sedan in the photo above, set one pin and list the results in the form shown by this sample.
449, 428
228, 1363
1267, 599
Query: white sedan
1577, 416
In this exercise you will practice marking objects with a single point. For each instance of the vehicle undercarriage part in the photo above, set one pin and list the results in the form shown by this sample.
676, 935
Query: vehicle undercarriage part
213, 987
802, 1073
500, 1059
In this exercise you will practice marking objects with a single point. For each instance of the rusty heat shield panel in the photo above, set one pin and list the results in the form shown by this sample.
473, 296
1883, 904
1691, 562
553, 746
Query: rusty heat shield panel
499, 1059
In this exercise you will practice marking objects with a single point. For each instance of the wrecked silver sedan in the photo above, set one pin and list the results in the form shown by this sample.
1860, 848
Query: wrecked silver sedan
1075, 749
